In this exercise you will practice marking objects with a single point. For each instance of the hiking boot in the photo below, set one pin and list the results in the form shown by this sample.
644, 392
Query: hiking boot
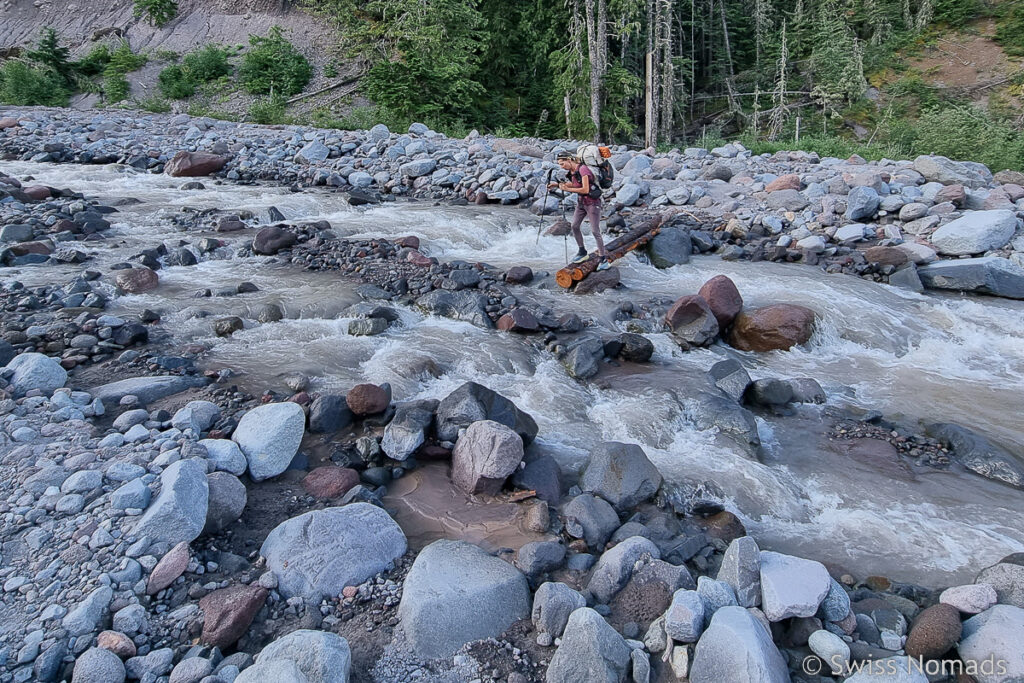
581, 256
605, 264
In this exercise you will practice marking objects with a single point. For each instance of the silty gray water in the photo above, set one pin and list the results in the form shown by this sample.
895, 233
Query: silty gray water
913, 357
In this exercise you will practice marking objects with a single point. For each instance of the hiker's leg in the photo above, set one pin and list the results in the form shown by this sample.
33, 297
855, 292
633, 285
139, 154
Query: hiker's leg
594, 216
577, 221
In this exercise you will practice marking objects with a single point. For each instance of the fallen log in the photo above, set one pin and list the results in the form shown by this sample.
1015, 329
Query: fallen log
617, 248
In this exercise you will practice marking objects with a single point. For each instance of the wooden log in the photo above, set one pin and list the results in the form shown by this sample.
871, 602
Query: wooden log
617, 248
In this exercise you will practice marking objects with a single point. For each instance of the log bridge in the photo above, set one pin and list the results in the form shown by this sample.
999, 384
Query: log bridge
617, 248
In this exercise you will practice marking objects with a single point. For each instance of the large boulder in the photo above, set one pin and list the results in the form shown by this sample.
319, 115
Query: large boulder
417, 168
737, 648
975, 232
179, 511
934, 632
329, 413
615, 567
269, 436
36, 371
486, 455
685, 617
272, 239
778, 327
591, 652
710, 410
791, 586
312, 152
467, 305
691, 321
97, 665
146, 389
194, 164
227, 501
985, 275
861, 203
979, 455
741, 569
473, 402
553, 603
321, 656
670, 247
456, 593
590, 518
621, 474
723, 298
942, 170
367, 399
318, 553
136, 280
407, 429
1007, 578
995, 636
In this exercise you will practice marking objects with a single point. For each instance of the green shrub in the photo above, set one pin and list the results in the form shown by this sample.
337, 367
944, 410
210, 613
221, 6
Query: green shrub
158, 12
25, 85
175, 84
207, 64
331, 70
267, 111
967, 133
50, 53
1010, 29
957, 13
273, 66
157, 105
201, 109
95, 62
122, 61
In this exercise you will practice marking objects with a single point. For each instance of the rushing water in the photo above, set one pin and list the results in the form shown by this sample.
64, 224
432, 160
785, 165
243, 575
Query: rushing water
913, 357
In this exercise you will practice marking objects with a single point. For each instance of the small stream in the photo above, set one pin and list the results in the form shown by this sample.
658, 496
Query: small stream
913, 357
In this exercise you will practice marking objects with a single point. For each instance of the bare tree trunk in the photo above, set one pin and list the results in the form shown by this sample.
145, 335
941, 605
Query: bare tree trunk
667, 75
728, 54
594, 58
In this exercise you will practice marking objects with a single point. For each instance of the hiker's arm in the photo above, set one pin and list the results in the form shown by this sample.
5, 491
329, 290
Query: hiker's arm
584, 188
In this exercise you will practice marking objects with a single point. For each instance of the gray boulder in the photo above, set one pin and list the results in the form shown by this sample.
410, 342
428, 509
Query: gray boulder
274, 671
938, 169
146, 389
85, 617
473, 402
456, 593
791, 586
225, 455
583, 357
615, 568
975, 232
731, 377
670, 247
685, 618
552, 604
590, 518
313, 151
227, 501
861, 203
713, 411
591, 652
484, 456
407, 429
417, 168
995, 636
985, 275
179, 511
318, 553
465, 305
97, 665
269, 437
737, 648
329, 413
621, 474
198, 416
321, 656
628, 194
1007, 578
980, 455
741, 569
538, 557
36, 371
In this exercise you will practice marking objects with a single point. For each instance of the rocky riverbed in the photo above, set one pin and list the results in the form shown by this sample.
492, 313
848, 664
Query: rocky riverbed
200, 484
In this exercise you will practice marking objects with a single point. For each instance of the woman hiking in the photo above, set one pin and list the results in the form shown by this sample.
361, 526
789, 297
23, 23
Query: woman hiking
583, 182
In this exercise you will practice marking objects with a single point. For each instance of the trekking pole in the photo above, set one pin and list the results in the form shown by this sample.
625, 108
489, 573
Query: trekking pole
543, 207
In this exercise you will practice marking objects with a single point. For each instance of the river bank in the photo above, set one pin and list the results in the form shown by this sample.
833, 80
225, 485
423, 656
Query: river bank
300, 328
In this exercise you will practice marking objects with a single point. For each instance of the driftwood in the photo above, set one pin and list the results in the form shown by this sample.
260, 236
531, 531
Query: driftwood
617, 248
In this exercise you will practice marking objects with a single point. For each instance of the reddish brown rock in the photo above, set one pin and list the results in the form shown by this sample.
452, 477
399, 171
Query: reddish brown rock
956, 194
117, 642
997, 199
519, 275
367, 399
136, 280
37, 192
170, 567
790, 181
417, 258
1013, 191
23, 248
692, 321
411, 241
776, 327
934, 632
228, 612
886, 256
8, 122
724, 526
194, 164
330, 481
723, 298
518, 320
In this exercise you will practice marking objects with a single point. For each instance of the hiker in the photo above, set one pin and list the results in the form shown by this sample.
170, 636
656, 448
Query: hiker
583, 182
